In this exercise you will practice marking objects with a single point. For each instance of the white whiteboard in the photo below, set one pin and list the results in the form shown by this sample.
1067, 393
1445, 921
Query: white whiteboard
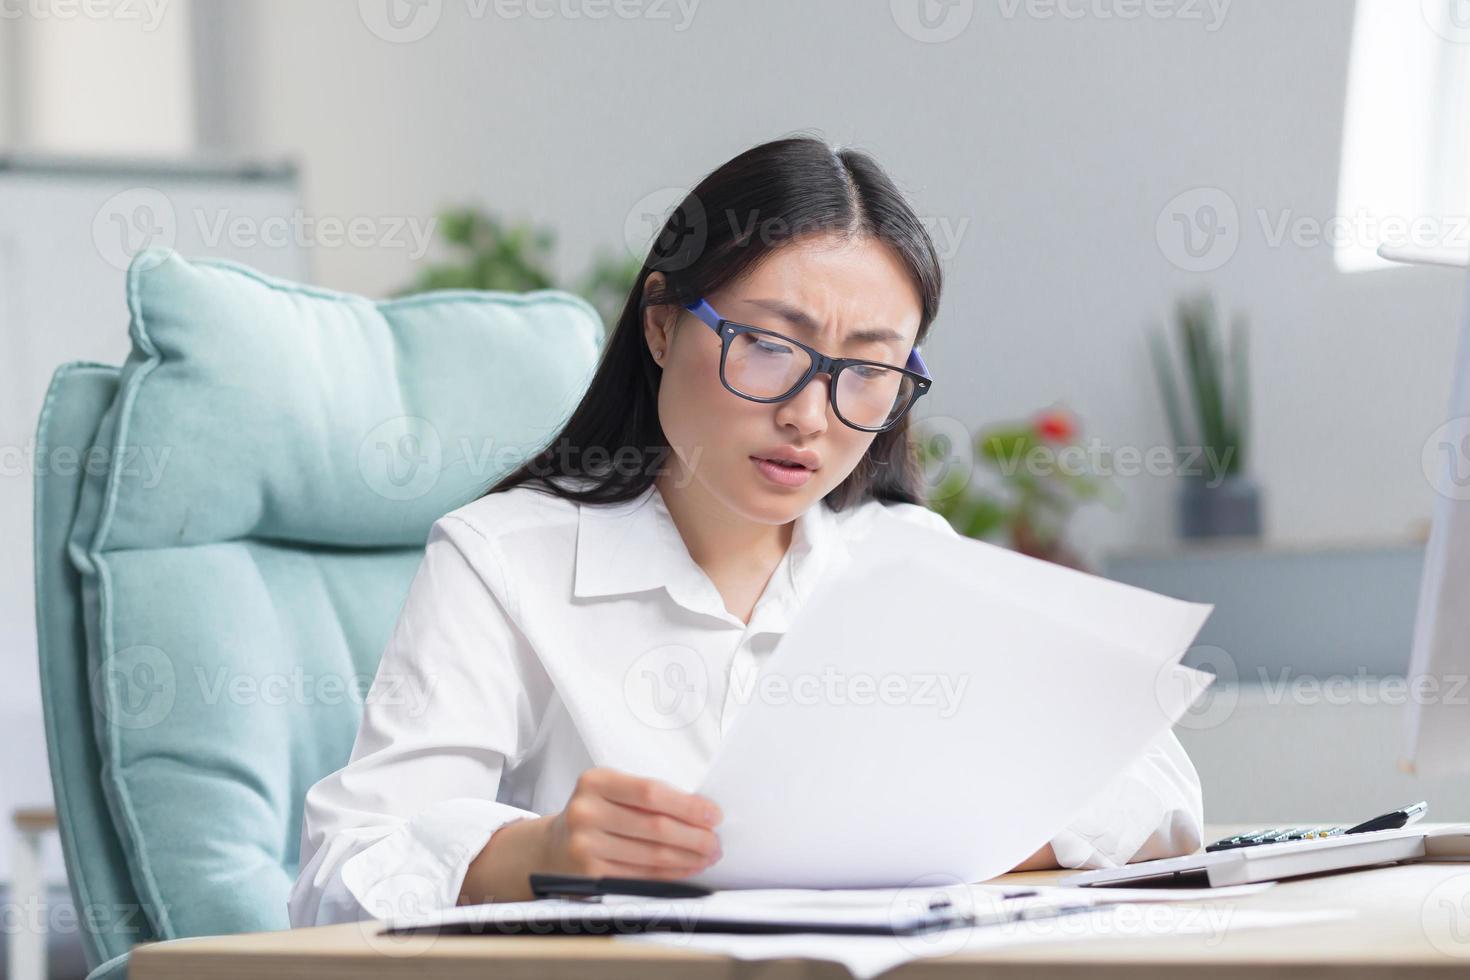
67, 228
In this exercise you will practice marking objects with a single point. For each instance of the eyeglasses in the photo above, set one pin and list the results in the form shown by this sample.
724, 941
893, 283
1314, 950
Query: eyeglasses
764, 366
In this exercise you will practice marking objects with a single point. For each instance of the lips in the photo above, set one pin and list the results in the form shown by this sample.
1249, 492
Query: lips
782, 475
781, 462
791, 457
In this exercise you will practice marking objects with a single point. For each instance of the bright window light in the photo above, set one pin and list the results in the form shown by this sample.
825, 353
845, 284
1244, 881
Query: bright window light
1405, 175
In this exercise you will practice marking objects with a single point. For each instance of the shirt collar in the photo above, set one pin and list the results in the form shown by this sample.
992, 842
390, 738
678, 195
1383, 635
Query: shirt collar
634, 546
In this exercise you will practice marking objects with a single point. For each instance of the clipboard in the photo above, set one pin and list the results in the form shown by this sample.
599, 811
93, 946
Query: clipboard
855, 912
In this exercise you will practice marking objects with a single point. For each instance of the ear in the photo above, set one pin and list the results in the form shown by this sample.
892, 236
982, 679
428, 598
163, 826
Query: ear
658, 321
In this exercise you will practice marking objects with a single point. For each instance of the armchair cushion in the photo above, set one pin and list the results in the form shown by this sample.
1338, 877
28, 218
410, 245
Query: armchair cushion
274, 458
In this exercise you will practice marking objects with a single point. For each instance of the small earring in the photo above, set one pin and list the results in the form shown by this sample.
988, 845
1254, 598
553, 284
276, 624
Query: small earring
657, 354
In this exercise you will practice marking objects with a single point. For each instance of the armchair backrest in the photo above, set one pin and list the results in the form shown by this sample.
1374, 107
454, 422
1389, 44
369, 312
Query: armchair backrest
218, 571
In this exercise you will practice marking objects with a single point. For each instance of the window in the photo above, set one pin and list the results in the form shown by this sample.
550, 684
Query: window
1405, 174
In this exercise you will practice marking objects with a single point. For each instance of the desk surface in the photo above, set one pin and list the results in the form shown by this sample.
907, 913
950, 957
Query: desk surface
1413, 919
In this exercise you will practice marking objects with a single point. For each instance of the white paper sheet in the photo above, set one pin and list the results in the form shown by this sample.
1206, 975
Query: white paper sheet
868, 956
941, 707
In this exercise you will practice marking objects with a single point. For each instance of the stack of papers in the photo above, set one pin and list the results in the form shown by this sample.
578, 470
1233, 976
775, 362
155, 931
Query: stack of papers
915, 911
941, 707
869, 956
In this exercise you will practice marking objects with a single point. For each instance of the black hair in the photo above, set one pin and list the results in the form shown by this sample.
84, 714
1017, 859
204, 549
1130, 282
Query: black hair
766, 198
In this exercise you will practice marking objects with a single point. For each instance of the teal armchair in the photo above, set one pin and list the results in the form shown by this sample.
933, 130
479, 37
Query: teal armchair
225, 528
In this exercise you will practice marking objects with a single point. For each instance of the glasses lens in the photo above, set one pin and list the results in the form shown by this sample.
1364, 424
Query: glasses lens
871, 396
764, 366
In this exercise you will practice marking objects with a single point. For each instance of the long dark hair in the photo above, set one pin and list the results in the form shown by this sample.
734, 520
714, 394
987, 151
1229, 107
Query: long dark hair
763, 199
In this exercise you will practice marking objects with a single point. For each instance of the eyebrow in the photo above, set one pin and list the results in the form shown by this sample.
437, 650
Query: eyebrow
801, 318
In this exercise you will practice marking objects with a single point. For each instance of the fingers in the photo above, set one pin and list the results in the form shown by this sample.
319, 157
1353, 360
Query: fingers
613, 869
620, 824
662, 860
699, 843
654, 796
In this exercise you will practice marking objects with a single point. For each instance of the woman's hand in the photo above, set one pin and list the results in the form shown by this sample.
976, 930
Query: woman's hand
614, 824
631, 827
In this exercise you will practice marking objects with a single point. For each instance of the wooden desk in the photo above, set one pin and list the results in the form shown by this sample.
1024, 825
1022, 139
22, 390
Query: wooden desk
1412, 921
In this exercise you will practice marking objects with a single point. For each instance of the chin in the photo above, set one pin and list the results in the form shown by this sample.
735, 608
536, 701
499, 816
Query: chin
757, 500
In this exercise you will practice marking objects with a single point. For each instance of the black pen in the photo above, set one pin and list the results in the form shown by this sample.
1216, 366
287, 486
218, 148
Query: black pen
583, 886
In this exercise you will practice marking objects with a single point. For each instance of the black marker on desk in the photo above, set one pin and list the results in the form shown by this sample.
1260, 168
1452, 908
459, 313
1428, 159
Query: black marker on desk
583, 886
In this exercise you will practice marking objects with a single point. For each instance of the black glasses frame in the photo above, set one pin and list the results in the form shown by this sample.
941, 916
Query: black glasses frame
728, 330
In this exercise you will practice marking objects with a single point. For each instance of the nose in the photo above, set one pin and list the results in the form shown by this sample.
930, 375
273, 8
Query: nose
807, 409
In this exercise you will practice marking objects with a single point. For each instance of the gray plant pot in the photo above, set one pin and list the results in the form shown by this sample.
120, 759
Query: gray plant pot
1230, 508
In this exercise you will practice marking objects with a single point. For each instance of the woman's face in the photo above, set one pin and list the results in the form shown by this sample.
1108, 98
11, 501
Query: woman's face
844, 286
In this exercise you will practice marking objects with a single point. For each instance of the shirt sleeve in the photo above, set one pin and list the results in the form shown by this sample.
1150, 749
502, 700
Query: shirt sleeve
1153, 809
457, 696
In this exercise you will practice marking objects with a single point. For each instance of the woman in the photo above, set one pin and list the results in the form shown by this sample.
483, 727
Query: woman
584, 628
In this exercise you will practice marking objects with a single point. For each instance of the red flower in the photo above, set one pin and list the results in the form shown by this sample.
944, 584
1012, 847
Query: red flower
1056, 427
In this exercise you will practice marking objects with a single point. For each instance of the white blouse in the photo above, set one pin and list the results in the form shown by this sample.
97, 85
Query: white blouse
521, 657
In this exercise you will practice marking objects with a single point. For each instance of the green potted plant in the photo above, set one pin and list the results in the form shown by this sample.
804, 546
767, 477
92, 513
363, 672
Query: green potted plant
1038, 482
1217, 497
484, 252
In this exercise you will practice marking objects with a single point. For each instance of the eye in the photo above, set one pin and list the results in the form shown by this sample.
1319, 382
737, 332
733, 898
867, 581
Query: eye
771, 347
868, 372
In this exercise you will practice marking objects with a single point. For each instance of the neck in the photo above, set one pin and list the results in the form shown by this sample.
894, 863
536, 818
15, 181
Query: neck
717, 537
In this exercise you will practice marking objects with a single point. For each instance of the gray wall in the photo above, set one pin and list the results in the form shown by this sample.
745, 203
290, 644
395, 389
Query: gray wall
1049, 145
1042, 150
